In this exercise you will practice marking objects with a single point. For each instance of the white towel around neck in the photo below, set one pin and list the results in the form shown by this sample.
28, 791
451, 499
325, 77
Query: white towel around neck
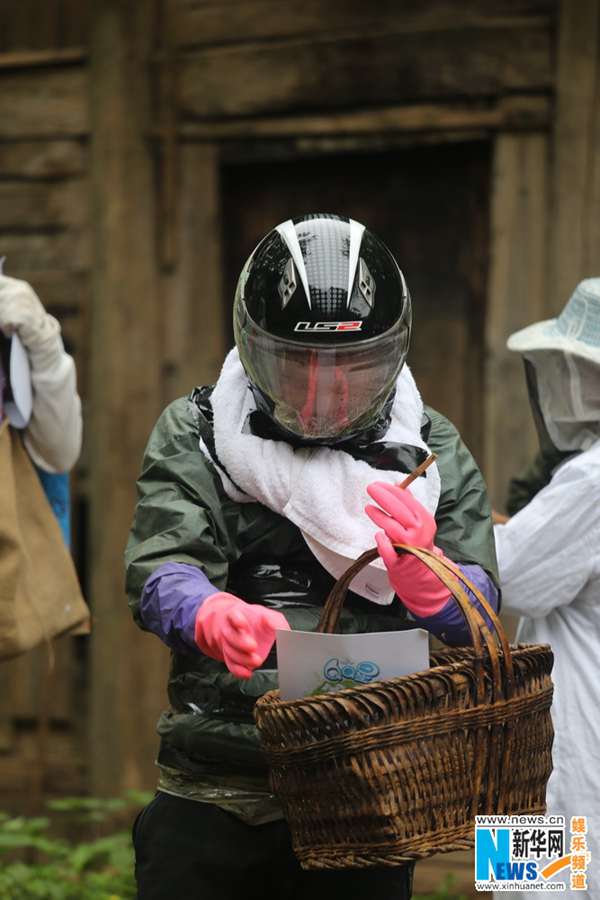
319, 489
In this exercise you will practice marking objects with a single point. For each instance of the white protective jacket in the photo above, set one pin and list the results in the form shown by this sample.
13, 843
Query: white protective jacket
53, 434
549, 564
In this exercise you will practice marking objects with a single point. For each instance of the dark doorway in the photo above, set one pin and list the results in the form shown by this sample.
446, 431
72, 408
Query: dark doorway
430, 205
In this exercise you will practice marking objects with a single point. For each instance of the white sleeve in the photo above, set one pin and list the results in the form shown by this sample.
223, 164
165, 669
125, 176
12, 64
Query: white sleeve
53, 436
549, 550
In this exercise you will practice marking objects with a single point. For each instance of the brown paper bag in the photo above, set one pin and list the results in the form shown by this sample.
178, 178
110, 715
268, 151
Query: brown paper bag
40, 597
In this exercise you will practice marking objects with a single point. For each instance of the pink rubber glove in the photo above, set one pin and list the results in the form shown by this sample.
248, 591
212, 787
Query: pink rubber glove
406, 521
237, 633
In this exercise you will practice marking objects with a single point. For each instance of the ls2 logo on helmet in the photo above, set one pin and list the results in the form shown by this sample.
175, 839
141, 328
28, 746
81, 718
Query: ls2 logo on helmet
328, 326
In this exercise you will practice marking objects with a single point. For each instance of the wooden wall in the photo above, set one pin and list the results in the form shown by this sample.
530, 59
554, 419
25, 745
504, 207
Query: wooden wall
52, 25
114, 125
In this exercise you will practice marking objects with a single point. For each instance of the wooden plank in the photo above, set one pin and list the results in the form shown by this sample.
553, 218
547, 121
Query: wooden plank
65, 769
74, 24
302, 75
517, 297
42, 159
64, 250
521, 113
25, 677
30, 59
576, 180
295, 148
35, 27
43, 103
64, 293
30, 25
128, 667
195, 332
31, 206
198, 23
18, 24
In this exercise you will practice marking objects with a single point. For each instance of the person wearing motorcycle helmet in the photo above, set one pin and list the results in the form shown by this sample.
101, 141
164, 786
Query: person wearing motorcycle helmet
252, 501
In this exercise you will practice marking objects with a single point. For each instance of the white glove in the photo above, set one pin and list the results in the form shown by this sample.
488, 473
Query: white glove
53, 436
22, 312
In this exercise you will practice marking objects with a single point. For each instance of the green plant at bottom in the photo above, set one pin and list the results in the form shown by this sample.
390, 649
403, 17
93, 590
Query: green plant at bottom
445, 891
38, 863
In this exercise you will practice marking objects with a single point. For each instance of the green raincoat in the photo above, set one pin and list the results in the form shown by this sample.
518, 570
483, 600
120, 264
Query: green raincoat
209, 745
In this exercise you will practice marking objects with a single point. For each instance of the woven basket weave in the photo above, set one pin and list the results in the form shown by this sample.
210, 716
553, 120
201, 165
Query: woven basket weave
394, 771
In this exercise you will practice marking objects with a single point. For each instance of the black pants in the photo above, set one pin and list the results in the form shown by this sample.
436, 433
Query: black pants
186, 850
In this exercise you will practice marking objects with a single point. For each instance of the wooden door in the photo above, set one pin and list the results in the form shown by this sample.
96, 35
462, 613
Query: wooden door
430, 205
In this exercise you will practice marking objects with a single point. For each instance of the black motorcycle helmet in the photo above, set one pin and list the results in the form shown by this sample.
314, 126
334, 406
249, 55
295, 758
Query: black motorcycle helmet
322, 320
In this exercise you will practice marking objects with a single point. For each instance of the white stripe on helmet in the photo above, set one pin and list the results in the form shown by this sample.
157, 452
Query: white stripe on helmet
288, 233
356, 234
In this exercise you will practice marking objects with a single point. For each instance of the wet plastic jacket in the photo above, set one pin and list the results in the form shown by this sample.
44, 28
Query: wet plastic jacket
184, 515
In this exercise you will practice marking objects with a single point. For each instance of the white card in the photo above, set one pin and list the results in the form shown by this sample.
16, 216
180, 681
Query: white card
19, 408
311, 663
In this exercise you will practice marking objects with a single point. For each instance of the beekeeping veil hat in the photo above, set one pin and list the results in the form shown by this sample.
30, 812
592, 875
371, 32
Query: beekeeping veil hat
562, 361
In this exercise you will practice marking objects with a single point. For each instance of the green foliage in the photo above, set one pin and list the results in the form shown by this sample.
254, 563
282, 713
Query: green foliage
38, 862
446, 891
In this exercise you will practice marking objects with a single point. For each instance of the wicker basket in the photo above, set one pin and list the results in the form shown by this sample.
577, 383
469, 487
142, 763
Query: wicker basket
394, 771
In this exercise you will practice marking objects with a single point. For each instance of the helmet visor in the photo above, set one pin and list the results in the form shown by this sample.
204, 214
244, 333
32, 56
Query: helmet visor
325, 390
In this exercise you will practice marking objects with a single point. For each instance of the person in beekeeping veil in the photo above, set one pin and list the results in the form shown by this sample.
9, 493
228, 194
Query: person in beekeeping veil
40, 441
549, 556
251, 502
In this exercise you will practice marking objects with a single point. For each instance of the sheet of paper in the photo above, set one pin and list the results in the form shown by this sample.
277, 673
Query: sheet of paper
312, 663
19, 408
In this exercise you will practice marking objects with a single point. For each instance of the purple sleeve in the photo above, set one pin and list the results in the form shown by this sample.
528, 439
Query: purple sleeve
449, 624
170, 600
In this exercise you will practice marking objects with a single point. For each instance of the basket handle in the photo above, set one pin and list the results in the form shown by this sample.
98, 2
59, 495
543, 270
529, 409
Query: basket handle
451, 576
